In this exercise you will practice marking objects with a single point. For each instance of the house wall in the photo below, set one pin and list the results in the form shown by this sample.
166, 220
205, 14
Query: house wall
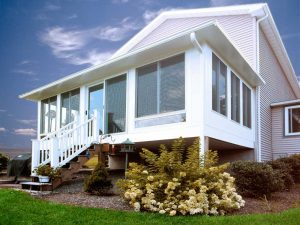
240, 29
282, 145
276, 89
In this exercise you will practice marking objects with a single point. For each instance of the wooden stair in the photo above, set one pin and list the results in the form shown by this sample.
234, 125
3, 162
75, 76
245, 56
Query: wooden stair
69, 172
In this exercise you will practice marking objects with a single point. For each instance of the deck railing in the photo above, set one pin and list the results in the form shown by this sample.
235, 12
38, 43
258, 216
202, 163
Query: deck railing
61, 146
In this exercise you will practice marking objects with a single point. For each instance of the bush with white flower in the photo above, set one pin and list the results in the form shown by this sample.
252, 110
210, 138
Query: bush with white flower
180, 182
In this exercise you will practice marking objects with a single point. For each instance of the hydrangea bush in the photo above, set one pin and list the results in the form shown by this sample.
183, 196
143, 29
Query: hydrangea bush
180, 182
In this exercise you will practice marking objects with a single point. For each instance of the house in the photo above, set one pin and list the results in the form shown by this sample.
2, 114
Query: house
221, 74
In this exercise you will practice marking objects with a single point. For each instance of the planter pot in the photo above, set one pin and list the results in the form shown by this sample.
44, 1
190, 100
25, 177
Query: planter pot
105, 147
44, 179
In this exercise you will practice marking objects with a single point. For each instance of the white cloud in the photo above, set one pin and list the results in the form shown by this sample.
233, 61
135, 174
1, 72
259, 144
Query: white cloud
2, 110
71, 44
73, 16
52, 7
27, 122
2, 129
25, 72
119, 1
291, 35
149, 15
25, 132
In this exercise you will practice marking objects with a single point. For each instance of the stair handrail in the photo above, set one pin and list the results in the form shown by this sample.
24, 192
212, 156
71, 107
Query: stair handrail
50, 135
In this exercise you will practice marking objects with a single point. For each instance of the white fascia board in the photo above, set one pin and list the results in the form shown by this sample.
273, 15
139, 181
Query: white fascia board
280, 51
209, 32
286, 103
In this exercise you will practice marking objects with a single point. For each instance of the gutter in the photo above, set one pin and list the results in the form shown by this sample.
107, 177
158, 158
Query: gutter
258, 89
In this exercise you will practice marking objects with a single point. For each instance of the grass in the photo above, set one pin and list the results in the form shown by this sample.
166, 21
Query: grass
20, 208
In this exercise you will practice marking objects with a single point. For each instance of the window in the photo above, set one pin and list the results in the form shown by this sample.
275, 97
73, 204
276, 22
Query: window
292, 115
161, 87
69, 107
219, 86
48, 115
246, 106
235, 98
115, 95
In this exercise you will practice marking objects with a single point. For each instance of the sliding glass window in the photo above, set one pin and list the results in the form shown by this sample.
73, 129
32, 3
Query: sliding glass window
246, 106
115, 98
219, 86
48, 115
69, 107
161, 87
235, 98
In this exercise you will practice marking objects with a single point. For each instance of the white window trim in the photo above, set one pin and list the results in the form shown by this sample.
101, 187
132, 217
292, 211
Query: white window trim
286, 120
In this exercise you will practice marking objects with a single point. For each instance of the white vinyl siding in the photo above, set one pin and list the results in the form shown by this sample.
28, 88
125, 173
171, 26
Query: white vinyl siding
239, 28
276, 89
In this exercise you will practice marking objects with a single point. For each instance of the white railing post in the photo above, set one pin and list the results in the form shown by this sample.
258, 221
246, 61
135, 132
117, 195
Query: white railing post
54, 152
35, 156
96, 125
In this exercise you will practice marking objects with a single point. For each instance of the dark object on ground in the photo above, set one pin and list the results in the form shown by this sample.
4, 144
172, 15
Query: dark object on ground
255, 179
98, 183
3, 161
20, 165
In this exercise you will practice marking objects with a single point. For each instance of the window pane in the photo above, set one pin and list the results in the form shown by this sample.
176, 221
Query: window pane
147, 90
65, 103
44, 116
214, 83
294, 120
235, 98
116, 104
246, 106
96, 102
172, 85
222, 89
52, 115
74, 105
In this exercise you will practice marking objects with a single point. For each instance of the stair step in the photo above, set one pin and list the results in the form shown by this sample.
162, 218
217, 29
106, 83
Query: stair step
37, 186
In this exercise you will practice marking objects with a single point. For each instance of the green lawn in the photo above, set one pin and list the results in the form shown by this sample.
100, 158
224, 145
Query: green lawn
20, 208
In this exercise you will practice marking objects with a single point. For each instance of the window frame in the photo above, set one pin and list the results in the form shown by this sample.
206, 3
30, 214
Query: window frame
159, 114
228, 89
286, 121
41, 131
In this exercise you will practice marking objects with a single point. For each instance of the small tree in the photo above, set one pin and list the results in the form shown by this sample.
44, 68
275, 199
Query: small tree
3, 161
98, 183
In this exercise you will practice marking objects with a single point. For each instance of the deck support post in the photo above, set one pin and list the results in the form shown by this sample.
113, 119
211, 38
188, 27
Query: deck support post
54, 154
35, 158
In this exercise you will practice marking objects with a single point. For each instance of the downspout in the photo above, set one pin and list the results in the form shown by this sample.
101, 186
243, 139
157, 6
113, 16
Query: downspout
195, 42
258, 89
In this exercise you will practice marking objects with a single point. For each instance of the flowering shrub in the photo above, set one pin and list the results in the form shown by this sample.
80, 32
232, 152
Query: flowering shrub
170, 183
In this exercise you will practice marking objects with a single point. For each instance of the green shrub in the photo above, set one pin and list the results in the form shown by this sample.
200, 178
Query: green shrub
173, 184
46, 170
3, 161
98, 183
285, 172
293, 162
256, 179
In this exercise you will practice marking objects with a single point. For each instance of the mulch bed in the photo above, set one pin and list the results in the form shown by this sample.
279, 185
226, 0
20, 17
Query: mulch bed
73, 194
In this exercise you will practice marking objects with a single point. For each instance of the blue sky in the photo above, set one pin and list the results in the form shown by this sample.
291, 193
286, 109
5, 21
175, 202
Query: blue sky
42, 41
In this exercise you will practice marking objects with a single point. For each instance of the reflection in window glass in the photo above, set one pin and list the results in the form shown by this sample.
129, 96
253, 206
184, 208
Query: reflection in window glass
96, 102
116, 104
48, 115
219, 86
246, 106
161, 87
69, 107
294, 120
235, 98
